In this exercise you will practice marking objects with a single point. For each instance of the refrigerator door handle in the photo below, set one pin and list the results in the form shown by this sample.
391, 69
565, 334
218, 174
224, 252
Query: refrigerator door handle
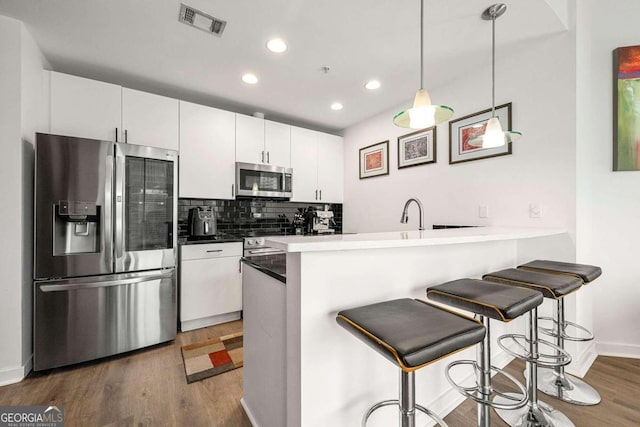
120, 282
107, 215
119, 208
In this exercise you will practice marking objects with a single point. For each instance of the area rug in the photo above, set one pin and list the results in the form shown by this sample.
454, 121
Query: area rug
212, 357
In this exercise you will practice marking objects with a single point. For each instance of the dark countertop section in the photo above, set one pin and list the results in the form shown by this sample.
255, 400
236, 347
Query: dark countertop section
216, 238
274, 265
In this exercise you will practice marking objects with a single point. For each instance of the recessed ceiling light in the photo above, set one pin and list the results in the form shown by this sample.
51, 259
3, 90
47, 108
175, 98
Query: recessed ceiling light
250, 78
336, 106
276, 45
372, 85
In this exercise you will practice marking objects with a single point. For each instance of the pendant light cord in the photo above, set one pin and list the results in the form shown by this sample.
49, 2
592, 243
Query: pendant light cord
421, 42
493, 64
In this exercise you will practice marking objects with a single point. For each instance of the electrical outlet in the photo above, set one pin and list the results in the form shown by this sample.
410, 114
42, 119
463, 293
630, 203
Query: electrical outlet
535, 210
483, 211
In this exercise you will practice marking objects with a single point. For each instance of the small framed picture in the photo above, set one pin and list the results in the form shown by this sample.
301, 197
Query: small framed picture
374, 160
463, 129
417, 148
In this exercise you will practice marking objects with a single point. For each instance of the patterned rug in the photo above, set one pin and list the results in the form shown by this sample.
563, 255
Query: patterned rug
212, 357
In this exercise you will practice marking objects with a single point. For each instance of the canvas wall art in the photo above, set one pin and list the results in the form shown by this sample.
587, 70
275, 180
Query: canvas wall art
626, 109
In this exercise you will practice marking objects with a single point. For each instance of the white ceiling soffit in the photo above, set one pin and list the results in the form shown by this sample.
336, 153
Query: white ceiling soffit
141, 44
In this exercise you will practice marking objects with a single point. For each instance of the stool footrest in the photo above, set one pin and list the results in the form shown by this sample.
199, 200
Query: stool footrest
390, 402
552, 331
561, 358
473, 393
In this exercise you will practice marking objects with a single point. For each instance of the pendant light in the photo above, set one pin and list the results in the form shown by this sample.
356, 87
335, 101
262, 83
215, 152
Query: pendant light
494, 136
423, 114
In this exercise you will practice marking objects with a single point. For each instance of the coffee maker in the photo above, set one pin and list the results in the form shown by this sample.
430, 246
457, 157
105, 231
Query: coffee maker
322, 221
202, 221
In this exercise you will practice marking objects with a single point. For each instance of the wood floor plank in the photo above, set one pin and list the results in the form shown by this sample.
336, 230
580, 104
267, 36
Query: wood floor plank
149, 388
616, 379
142, 388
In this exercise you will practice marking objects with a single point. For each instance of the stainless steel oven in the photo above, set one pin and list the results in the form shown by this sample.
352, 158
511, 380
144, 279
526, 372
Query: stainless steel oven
255, 180
254, 246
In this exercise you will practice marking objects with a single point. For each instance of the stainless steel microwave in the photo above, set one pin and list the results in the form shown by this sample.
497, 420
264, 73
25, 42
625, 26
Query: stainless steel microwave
256, 180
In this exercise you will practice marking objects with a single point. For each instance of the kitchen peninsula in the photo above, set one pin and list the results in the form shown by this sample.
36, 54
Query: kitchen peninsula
302, 369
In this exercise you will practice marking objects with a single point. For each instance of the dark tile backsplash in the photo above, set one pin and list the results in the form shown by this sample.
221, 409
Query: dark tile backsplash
266, 216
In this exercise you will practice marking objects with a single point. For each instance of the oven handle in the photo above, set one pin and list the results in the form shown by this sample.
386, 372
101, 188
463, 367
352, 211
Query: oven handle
264, 251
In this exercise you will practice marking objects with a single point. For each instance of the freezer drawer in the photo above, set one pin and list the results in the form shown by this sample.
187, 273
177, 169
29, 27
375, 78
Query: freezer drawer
87, 318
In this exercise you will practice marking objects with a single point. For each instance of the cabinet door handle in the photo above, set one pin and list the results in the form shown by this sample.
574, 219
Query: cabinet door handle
267, 157
240, 265
233, 190
320, 194
214, 250
316, 194
262, 156
116, 134
126, 137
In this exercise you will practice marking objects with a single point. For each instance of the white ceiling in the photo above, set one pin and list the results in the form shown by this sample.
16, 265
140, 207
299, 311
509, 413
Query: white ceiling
141, 44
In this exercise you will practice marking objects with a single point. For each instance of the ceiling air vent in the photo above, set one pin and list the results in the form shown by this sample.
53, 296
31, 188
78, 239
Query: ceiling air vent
201, 20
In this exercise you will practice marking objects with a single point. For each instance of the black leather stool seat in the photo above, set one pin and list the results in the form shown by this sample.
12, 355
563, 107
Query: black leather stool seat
411, 333
551, 285
489, 299
588, 273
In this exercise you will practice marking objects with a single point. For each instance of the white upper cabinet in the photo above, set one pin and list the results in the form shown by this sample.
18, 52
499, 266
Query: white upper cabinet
277, 143
304, 161
91, 109
317, 162
207, 152
262, 141
249, 139
330, 168
84, 108
149, 119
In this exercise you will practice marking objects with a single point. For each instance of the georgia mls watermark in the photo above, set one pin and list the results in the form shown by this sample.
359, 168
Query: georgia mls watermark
31, 416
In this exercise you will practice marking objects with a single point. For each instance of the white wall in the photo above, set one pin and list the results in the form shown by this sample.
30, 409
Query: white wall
608, 202
539, 79
21, 114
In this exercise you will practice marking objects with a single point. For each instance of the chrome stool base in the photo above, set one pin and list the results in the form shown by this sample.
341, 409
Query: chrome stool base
406, 404
567, 388
420, 408
538, 415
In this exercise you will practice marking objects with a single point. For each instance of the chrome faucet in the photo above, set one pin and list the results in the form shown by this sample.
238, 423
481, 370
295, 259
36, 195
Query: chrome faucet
405, 216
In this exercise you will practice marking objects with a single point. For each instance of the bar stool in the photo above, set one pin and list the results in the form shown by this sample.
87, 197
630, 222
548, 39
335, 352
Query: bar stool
411, 334
555, 382
553, 286
489, 301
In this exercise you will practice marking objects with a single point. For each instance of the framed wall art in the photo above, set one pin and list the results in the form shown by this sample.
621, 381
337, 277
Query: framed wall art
626, 116
463, 129
374, 160
417, 148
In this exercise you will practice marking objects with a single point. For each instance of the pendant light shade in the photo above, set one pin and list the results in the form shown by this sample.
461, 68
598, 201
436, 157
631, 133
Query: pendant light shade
493, 135
423, 114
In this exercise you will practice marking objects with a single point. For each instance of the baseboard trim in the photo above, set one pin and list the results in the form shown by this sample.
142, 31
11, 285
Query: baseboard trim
15, 375
631, 351
247, 411
190, 325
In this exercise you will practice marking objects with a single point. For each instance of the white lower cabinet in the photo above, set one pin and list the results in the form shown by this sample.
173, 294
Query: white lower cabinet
210, 284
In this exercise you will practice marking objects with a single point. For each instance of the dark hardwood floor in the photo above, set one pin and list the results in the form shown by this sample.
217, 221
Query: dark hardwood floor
148, 388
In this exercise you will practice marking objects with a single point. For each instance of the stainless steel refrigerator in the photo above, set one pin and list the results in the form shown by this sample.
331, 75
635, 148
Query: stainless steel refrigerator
105, 249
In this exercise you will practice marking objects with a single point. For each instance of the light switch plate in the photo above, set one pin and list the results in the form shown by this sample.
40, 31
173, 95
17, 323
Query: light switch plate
483, 211
535, 210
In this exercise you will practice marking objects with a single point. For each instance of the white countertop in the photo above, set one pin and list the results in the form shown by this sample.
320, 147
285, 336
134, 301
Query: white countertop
399, 239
